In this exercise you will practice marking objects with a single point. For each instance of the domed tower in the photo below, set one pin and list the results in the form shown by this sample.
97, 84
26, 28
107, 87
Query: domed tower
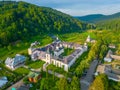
30, 50
61, 45
57, 47
88, 39
57, 38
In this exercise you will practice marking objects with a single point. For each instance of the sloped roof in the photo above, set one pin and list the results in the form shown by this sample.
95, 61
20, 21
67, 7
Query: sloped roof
3, 81
116, 57
109, 54
14, 61
68, 59
101, 68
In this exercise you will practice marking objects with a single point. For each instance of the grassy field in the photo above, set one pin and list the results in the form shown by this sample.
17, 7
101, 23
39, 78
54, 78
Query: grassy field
67, 51
36, 64
56, 69
78, 37
22, 71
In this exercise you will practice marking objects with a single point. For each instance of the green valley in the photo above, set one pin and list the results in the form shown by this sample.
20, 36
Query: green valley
42, 48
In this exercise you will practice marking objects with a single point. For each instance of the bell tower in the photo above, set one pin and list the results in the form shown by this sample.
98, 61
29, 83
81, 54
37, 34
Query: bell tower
88, 39
48, 56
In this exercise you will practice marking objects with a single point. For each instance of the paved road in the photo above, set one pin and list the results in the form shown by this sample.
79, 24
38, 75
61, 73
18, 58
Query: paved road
16, 85
87, 80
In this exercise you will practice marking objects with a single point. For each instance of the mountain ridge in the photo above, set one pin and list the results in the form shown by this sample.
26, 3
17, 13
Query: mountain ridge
94, 18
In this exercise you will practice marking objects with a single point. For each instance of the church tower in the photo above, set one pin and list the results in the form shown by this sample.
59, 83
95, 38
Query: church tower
48, 56
30, 50
88, 39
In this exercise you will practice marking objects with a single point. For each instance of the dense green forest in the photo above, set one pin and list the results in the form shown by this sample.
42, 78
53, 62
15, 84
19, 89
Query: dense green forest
90, 18
112, 24
100, 83
21, 20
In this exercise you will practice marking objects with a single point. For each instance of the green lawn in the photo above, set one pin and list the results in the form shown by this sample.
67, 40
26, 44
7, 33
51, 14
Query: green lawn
21, 71
67, 51
36, 64
56, 69
59, 70
78, 37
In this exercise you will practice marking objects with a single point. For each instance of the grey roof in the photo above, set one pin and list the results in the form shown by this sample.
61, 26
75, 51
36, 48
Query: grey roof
3, 81
114, 76
68, 59
52, 48
107, 69
59, 49
15, 61
109, 54
116, 57
42, 55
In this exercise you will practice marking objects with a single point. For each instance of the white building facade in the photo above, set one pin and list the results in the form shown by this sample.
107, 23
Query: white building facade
51, 54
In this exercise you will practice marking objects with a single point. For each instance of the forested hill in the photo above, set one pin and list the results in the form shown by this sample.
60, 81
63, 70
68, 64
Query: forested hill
94, 18
90, 18
112, 24
21, 20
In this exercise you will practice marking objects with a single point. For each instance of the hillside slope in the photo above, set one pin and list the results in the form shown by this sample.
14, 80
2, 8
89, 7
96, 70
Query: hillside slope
90, 18
21, 20
98, 17
111, 24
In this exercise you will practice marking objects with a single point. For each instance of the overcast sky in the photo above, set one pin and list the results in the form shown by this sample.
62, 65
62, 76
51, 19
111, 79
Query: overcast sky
81, 7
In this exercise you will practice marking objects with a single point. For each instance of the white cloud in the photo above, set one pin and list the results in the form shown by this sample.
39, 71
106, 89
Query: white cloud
110, 9
81, 7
